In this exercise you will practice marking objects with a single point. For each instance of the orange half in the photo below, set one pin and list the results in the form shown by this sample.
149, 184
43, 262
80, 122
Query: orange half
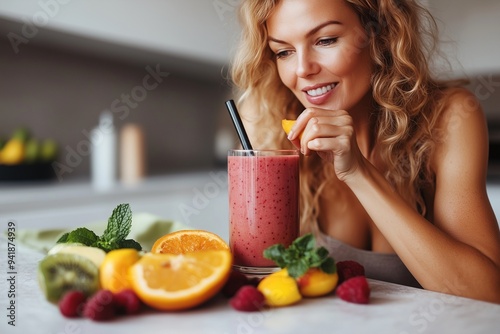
177, 282
186, 241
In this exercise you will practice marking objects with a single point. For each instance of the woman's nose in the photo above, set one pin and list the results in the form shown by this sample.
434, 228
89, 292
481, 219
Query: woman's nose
306, 64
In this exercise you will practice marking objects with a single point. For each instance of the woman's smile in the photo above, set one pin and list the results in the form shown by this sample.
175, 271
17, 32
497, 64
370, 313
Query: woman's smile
322, 89
320, 93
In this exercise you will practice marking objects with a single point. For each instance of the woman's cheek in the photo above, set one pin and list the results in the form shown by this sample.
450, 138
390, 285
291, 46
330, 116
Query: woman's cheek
340, 61
286, 73
352, 57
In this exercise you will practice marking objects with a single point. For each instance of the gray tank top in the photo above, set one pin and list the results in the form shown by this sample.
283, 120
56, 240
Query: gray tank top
379, 266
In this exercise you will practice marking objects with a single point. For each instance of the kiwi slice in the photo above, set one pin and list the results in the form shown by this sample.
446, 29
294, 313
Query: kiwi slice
62, 272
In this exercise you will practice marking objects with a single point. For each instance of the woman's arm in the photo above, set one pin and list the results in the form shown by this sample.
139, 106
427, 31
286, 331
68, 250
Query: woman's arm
460, 252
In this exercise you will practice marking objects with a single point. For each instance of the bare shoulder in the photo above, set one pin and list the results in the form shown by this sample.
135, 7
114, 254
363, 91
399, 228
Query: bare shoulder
458, 103
461, 133
461, 125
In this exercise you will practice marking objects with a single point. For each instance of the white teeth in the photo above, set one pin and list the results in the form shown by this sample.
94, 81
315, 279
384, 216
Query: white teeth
320, 90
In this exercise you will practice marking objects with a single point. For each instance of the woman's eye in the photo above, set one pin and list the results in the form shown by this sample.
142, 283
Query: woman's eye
282, 54
327, 41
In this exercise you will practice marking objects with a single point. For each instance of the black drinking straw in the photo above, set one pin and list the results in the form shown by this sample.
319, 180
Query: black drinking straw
238, 125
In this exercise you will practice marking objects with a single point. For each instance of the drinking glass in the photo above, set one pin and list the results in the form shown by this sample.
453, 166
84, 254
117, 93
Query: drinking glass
263, 206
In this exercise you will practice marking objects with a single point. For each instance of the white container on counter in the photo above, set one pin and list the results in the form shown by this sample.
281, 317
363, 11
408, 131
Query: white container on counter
103, 153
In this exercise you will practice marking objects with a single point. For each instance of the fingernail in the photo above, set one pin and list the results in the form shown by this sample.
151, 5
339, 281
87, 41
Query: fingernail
290, 135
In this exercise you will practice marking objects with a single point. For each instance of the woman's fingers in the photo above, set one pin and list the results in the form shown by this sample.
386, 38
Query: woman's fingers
329, 133
313, 125
326, 137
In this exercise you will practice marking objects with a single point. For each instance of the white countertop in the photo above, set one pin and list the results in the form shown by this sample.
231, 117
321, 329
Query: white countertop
200, 200
392, 309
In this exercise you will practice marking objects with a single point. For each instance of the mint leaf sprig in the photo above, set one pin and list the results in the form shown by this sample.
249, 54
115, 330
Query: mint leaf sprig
113, 237
300, 256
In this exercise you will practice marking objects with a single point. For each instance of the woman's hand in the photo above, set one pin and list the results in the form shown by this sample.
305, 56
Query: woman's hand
331, 134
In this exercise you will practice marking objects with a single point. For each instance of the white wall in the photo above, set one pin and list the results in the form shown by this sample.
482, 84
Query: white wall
471, 34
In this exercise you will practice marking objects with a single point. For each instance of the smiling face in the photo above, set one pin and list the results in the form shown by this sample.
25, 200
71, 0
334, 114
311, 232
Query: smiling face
322, 53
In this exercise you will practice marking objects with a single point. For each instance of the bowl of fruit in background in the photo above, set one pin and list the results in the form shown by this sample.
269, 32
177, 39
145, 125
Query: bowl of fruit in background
24, 157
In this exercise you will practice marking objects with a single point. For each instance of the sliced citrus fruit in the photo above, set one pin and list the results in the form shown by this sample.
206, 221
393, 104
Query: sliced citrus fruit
176, 282
186, 241
287, 125
113, 271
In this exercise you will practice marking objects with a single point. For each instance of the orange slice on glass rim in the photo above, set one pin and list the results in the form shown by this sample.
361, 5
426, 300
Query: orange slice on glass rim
186, 241
171, 282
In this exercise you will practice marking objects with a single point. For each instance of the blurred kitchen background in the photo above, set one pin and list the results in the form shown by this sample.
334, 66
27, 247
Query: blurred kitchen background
163, 65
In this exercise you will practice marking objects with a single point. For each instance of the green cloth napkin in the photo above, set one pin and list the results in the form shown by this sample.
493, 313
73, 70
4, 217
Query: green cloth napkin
146, 228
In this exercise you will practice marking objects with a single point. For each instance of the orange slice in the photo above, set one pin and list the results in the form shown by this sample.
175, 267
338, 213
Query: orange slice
287, 124
186, 241
177, 282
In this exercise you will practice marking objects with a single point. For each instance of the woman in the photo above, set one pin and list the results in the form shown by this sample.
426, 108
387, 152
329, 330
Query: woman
394, 162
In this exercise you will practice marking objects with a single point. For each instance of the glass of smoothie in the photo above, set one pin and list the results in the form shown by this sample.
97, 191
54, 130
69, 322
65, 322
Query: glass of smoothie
263, 206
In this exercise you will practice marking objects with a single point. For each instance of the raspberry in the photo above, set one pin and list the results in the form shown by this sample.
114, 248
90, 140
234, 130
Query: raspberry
72, 303
354, 290
248, 299
101, 306
127, 302
349, 269
234, 283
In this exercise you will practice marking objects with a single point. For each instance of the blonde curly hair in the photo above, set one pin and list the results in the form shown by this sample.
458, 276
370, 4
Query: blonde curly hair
402, 36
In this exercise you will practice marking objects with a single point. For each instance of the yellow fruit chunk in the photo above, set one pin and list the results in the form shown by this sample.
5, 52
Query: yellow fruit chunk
316, 283
279, 289
13, 152
287, 124
114, 270
186, 241
178, 282
282, 272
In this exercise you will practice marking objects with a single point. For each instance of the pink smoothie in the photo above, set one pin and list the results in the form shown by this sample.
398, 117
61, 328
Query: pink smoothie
263, 205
